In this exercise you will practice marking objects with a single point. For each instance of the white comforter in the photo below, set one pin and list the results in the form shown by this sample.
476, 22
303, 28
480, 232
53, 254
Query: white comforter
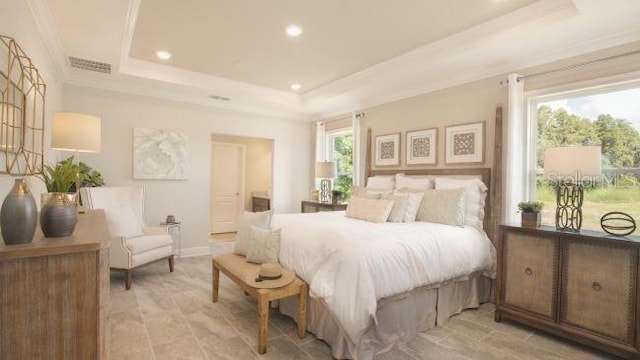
350, 264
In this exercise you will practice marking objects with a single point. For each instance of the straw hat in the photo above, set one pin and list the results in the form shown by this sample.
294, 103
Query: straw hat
269, 276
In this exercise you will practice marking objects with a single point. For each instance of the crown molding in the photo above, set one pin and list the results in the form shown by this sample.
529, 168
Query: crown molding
47, 29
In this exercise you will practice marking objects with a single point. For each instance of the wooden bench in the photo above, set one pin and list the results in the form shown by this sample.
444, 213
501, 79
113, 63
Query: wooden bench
233, 265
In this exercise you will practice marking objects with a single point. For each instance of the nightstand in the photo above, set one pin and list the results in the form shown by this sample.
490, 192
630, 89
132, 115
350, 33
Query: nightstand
579, 285
309, 206
174, 230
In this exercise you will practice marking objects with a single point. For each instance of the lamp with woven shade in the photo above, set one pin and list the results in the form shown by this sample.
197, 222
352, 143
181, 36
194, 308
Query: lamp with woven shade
325, 170
568, 168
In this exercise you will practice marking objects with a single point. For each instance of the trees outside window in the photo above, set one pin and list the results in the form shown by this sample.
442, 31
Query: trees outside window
341, 152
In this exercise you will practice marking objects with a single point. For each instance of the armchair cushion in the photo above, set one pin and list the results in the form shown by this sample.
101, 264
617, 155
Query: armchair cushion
122, 221
142, 244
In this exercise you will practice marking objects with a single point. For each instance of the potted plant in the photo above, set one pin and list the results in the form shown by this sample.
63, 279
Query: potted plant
530, 211
336, 196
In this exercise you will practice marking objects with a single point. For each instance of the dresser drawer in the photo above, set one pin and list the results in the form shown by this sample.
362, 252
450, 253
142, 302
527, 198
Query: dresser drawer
530, 273
598, 288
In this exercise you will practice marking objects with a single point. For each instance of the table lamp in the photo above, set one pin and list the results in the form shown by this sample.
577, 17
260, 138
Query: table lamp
568, 168
75, 132
325, 170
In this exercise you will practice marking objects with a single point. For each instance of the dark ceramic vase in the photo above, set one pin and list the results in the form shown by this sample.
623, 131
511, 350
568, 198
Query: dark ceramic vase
58, 216
19, 215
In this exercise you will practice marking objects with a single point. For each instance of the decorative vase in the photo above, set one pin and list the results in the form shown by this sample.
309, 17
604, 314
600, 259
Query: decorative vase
58, 216
531, 219
19, 215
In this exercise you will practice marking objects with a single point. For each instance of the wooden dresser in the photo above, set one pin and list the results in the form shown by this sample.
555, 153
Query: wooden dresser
54, 294
582, 286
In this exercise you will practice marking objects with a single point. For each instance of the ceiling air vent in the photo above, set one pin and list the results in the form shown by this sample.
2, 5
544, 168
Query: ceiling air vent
218, 97
89, 65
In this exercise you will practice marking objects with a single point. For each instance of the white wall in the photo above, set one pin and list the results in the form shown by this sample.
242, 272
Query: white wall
188, 200
18, 22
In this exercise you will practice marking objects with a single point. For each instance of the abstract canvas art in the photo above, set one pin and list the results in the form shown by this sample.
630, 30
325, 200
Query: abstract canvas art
159, 154
421, 147
388, 150
465, 144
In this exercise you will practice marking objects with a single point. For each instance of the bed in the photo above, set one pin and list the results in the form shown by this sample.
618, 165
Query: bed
376, 285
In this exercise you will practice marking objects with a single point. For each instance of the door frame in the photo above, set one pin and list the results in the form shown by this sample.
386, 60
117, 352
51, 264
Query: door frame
243, 170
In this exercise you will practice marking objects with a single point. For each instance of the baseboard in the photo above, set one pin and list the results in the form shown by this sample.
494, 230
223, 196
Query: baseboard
195, 251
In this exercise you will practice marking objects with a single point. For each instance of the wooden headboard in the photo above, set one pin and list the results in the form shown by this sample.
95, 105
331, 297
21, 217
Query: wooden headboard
493, 203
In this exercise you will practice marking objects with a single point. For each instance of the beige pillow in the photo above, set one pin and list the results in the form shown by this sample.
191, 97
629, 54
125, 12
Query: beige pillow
374, 210
399, 206
358, 191
413, 204
445, 206
416, 182
264, 246
248, 219
475, 195
387, 182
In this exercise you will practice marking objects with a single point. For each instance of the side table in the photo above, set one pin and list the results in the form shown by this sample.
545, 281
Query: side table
173, 229
307, 206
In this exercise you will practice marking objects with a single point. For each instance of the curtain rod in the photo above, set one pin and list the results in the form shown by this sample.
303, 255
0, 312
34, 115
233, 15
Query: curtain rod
359, 115
574, 66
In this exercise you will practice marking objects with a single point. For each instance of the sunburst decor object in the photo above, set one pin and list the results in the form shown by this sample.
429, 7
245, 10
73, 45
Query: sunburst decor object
22, 95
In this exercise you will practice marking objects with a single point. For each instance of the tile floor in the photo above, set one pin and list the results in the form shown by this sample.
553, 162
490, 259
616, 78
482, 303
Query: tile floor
171, 316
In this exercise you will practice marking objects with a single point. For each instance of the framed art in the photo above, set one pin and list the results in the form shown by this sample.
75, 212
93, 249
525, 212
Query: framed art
159, 154
464, 144
388, 150
422, 147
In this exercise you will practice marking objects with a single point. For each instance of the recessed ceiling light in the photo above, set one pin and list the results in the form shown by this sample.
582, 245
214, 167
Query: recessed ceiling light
294, 30
296, 87
163, 55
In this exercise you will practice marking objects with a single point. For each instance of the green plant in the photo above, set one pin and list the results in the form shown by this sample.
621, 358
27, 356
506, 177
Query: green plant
62, 177
59, 178
530, 206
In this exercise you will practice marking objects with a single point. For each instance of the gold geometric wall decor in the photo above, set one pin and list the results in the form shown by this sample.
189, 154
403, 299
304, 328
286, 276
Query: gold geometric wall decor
22, 95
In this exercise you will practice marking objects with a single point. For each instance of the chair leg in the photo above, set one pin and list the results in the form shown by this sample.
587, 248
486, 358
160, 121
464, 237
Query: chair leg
215, 281
171, 263
127, 279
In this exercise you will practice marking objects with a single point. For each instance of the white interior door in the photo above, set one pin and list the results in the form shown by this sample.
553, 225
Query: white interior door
227, 186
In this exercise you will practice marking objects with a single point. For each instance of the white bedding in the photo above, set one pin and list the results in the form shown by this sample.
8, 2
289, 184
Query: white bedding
350, 264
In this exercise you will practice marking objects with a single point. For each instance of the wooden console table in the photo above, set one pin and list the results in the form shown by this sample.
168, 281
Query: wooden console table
54, 302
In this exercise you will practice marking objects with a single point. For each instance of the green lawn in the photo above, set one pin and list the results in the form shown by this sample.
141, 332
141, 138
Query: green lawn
597, 203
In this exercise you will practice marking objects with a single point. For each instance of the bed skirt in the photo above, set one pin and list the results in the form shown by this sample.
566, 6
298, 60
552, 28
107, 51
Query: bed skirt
399, 318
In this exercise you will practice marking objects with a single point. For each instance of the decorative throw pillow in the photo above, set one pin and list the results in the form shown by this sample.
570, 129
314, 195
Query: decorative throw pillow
413, 203
248, 219
443, 207
386, 182
123, 221
264, 246
415, 182
373, 210
476, 193
358, 191
399, 206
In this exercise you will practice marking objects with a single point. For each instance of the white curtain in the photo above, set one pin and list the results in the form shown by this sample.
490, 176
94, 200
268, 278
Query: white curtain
515, 164
321, 142
355, 126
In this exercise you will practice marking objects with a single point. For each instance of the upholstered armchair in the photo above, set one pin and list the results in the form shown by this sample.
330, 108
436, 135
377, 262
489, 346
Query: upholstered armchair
132, 243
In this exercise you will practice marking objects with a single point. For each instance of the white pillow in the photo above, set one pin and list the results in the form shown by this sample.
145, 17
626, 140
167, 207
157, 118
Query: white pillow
248, 219
264, 246
123, 221
415, 182
446, 206
374, 210
476, 194
399, 206
413, 203
387, 182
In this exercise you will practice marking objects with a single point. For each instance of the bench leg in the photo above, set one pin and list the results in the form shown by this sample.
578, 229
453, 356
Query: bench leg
263, 320
215, 281
302, 311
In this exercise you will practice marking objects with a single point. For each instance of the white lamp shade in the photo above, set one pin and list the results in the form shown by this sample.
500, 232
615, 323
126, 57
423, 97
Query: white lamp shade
573, 163
326, 170
75, 132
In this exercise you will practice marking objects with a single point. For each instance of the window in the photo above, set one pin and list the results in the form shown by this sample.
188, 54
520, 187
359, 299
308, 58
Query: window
609, 118
340, 150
